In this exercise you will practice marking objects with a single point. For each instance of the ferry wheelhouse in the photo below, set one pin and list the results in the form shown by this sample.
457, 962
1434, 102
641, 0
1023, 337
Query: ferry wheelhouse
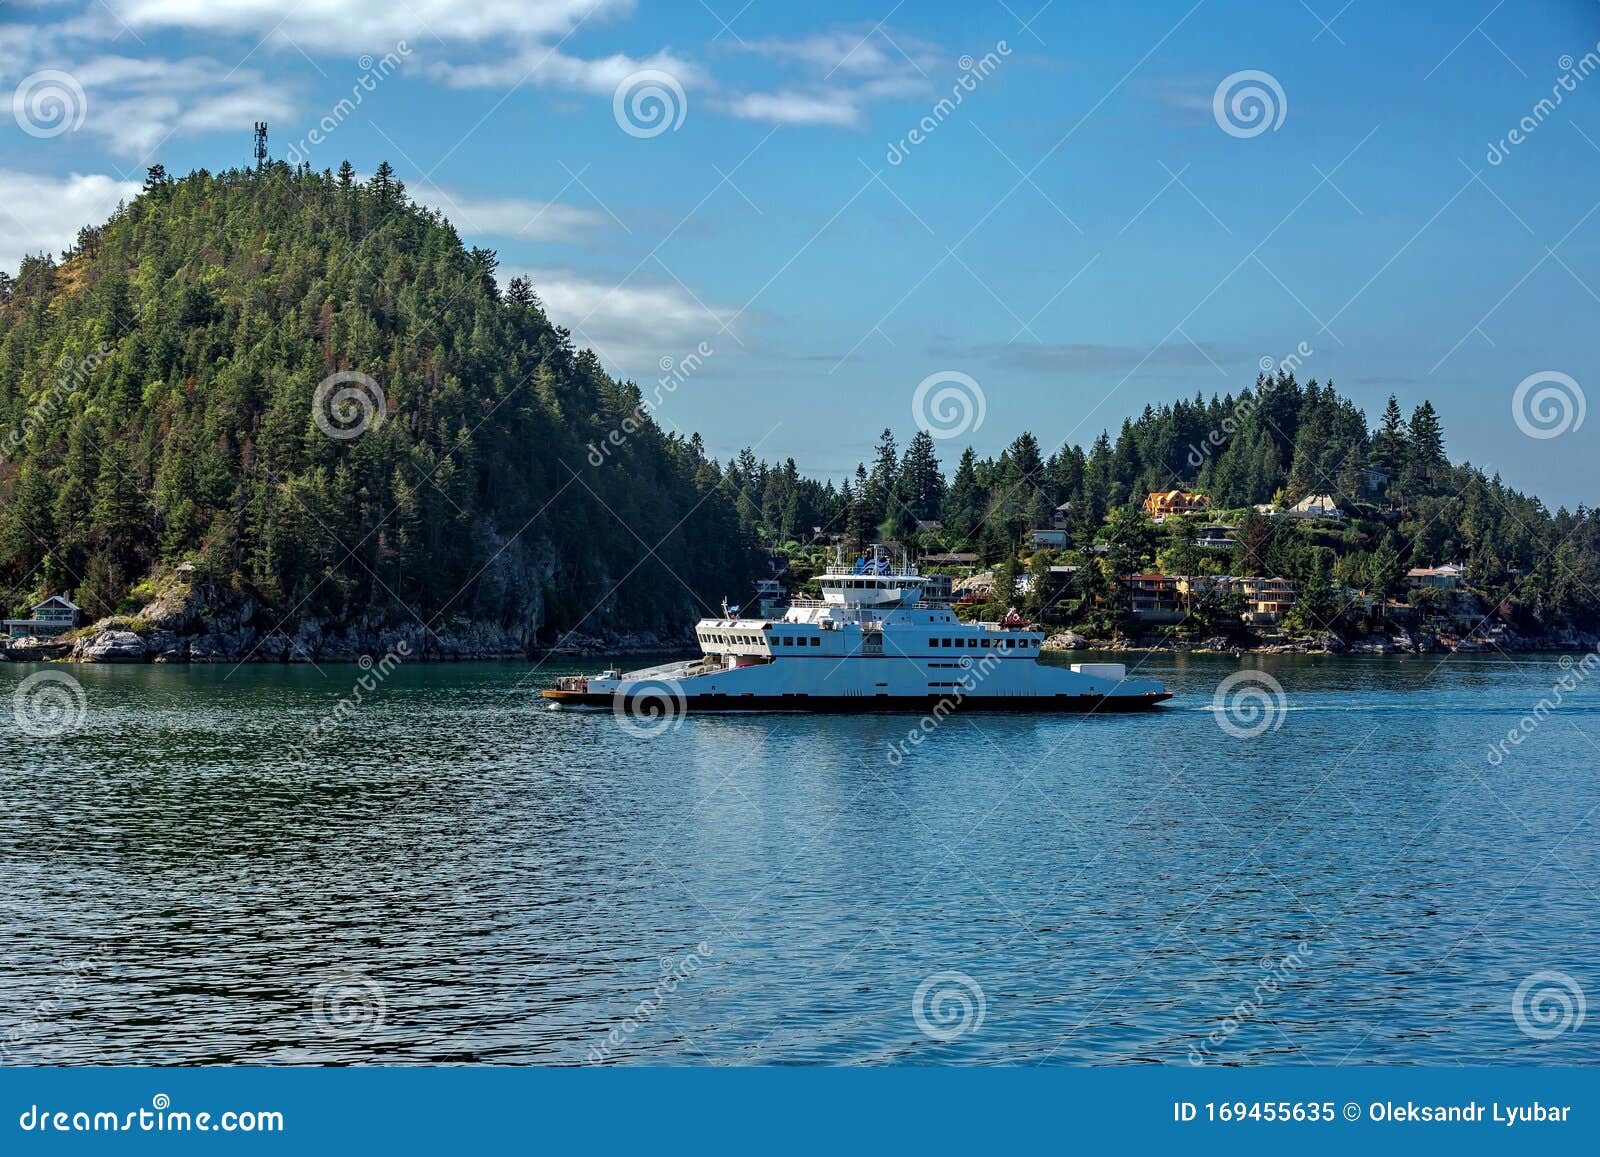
870, 643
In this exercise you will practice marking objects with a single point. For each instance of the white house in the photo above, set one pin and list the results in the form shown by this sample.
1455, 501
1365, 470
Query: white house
1443, 578
1317, 506
57, 615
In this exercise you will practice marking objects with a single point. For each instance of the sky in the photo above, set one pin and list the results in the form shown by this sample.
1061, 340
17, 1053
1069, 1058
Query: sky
980, 217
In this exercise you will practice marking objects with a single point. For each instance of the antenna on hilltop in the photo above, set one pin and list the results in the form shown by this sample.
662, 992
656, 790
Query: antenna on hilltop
261, 143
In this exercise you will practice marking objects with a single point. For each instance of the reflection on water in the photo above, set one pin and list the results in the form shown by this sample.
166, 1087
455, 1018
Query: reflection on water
457, 874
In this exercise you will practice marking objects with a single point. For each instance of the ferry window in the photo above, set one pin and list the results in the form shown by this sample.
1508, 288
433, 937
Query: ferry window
985, 643
933, 642
816, 640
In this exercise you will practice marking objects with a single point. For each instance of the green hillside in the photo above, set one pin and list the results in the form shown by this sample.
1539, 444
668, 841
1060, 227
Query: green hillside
157, 388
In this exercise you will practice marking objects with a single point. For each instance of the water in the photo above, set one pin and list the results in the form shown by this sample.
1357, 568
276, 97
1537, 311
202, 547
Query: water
457, 874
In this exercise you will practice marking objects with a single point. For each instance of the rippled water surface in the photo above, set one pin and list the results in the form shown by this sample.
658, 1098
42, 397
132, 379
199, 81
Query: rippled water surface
457, 874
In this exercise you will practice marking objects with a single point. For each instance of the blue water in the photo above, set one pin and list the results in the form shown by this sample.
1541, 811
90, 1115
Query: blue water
454, 873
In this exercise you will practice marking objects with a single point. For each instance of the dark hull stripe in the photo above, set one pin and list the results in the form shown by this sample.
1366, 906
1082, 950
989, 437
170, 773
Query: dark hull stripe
880, 703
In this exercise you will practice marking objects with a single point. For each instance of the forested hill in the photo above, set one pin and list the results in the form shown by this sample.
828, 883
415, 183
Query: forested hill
1276, 442
157, 388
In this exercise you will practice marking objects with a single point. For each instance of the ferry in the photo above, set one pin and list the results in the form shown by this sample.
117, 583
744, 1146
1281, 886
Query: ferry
870, 643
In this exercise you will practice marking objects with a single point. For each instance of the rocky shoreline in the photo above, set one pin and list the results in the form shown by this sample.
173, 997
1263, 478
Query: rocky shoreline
1330, 644
184, 624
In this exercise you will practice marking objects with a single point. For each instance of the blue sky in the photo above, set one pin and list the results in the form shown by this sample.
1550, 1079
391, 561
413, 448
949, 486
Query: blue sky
1085, 232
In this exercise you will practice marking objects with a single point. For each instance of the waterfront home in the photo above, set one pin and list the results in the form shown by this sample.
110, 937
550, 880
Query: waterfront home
1264, 599
1441, 578
1161, 504
1154, 598
955, 558
1044, 539
57, 615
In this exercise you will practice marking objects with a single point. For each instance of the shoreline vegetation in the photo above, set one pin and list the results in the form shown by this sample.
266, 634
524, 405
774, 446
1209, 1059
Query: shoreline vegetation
175, 460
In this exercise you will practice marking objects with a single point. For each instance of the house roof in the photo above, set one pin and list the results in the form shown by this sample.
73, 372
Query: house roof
58, 601
1314, 500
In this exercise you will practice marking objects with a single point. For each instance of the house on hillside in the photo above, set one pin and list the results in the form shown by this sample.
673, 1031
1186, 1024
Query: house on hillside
1441, 578
1044, 539
57, 615
1061, 516
1162, 504
1216, 537
1317, 506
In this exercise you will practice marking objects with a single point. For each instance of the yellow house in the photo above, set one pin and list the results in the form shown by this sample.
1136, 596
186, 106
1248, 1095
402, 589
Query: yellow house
1160, 504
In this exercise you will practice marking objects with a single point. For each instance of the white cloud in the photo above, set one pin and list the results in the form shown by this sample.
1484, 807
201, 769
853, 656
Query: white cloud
136, 104
631, 326
842, 72
45, 213
796, 108
548, 67
511, 217
856, 53
351, 26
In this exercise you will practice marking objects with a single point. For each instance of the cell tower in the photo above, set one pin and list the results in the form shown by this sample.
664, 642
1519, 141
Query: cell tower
261, 143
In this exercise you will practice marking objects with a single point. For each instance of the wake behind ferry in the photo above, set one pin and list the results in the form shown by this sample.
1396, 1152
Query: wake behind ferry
869, 644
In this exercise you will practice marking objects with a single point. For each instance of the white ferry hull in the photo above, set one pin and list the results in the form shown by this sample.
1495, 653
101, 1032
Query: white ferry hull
872, 684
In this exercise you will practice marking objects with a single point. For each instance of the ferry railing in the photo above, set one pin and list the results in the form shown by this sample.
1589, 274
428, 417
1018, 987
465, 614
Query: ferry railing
682, 666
